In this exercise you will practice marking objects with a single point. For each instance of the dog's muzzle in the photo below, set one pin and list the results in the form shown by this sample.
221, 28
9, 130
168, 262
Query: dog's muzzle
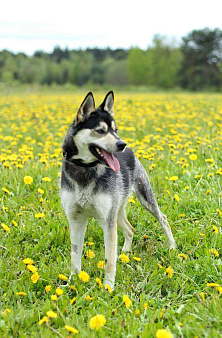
121, 145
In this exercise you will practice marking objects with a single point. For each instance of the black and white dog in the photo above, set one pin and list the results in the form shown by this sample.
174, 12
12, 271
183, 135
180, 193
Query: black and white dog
98, 175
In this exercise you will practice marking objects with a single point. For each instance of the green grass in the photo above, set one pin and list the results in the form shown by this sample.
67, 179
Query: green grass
32, 128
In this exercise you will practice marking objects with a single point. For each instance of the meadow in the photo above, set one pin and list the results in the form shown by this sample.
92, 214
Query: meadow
159, 292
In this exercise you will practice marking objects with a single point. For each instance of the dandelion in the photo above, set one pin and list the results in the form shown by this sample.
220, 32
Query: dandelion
173, 178
124, 258
90, 254
160, 266
21, 293
28, 261
46, 179
72, 287
108, 287
219, 289
98, 281
137, 312
214, 252
101, 265
71, 329
28, 179
54, 297
39, 215
43, 320
51, 314
35, 277
176, 197
48, 288
14, 223
193, 157
213, 285
215, 229
59, 292
137, 259
6, 190
219, 212
40, 191
127, 301
84, 276
145, 305
182, 256
202, 295
97, 321
31, 268
5, 227
63, 277
163, 333
72, 300
169, 272
88, 297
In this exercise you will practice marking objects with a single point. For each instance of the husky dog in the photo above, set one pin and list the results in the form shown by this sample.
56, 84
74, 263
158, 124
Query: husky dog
99, 174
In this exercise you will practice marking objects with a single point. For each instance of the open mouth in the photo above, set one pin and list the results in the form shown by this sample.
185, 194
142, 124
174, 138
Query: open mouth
105, 157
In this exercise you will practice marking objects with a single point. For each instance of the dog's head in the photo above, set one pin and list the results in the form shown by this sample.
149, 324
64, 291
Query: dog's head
93, 134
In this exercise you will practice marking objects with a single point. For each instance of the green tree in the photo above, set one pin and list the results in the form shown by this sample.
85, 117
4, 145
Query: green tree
137, 66
202, 58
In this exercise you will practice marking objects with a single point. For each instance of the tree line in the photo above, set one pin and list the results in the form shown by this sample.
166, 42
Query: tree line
195, 64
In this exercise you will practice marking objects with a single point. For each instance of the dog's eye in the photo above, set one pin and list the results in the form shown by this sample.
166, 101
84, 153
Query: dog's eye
100, 131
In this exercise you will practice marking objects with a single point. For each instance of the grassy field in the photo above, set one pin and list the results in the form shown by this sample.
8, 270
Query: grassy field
159, 293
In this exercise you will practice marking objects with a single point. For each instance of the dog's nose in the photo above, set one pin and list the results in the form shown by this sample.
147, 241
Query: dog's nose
121, 145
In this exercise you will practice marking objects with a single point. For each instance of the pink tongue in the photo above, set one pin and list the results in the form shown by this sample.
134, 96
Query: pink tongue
111, 160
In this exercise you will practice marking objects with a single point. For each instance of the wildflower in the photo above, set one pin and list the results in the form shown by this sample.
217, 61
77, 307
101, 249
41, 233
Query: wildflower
73, 287
63, 277
209, 160
127, 301
14, 223
131, 199
51, 314
90, 254
54, 297
31, 268
88, 297
208, 192
183, 256
21, 293
35, 277
173, 178
40, 191
215, 229
202, 295
97, 321
219, 212
71, 329
163, 333
124, 258
90, 243
137, 259
212, 285
214, 252
83, 276
108, 287
46, 179
180, 324
182, 215
160, 266
98, 281
72, 300
5, 227
28, 180
6, 190
101, 265
39, 215
145, 305
59, 292
176, 197
187, 187
28, 261
43, 320
193, 157
48, 288
169, 272
137, 312
219, 289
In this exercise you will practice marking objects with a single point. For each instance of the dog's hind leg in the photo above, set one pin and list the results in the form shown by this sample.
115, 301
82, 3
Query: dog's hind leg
77, 228
143, 191
126, 228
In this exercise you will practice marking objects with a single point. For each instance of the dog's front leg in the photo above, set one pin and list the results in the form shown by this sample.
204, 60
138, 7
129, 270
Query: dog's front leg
77, 228
110, 239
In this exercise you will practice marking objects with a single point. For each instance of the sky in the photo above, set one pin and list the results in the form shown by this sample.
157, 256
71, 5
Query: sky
27, 26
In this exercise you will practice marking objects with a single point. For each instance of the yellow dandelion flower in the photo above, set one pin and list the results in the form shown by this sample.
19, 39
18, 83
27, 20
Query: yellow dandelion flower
59, 292
219, 212
90, 254
39, 215
215, 229
43, 320
40, 191
173, 178
72, 287
6, 190
31, 268
14, 223
214, 252
71, 329
182, 256
137, 312
101, 265
213, 285
28, 261
160, 266
145, 305
127, 301
88, 297
219, 289
97, 321
202, 295
54, 297
51, 314
163, 333
108, 287
193, 157
98, 281
169, 272
21, 293
46, 179
176, 197
137, 259
5, 227
84, 276
28, 179
63, 277
124, 258
48, 288
72, 300
35, 277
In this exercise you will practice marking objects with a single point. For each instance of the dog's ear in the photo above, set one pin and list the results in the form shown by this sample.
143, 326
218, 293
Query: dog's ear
108, 103
86, 108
